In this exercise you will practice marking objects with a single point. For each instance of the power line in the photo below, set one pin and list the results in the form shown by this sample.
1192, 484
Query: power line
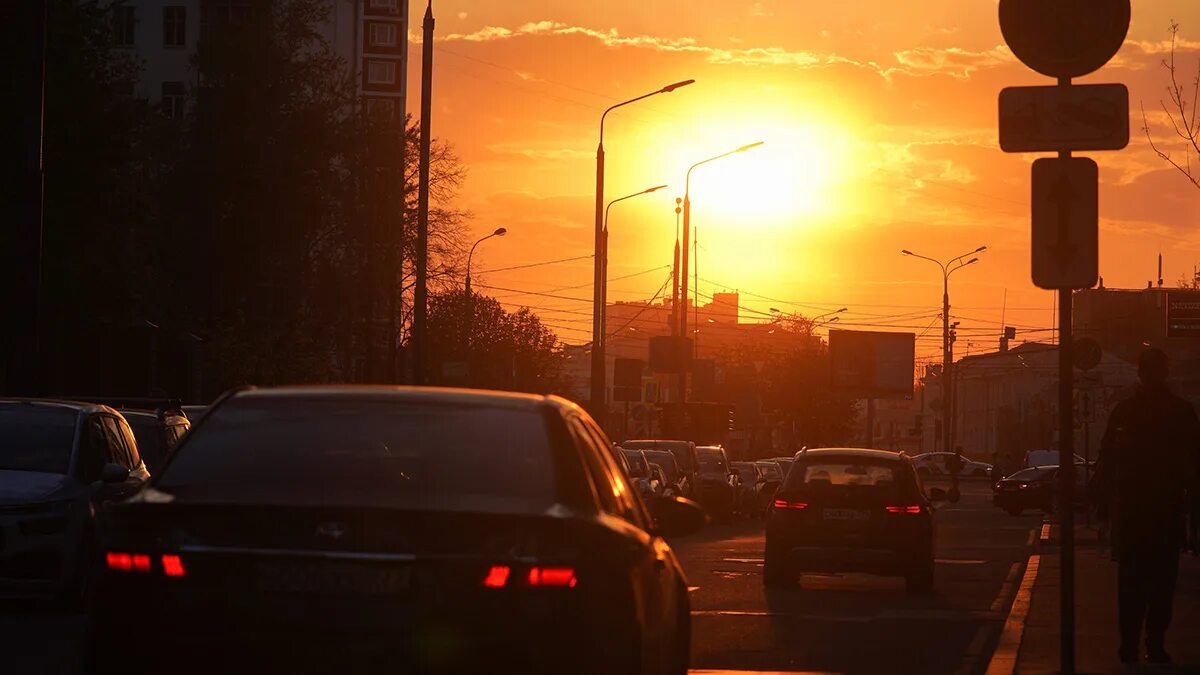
536, 264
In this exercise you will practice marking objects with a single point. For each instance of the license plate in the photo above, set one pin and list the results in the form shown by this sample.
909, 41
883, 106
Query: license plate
846, 514
330, 579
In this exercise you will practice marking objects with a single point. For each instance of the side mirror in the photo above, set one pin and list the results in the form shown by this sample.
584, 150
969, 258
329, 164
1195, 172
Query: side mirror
937, 494
676, 516
113, 473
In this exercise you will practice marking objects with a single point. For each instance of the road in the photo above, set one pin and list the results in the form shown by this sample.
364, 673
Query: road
841, 624
857, 623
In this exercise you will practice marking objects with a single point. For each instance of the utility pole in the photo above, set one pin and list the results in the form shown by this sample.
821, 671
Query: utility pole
947, 364
421, 294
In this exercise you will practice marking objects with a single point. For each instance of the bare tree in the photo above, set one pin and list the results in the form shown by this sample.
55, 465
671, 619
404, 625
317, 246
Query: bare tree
1183, 116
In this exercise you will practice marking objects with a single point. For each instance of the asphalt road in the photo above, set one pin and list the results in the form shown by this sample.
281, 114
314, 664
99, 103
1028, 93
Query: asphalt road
857, 623
842, 624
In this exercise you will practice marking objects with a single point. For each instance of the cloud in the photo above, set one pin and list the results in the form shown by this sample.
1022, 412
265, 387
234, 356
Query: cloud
518, 150
952, 61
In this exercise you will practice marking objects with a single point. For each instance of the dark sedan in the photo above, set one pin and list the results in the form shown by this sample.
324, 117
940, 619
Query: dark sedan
1033, 488
413, 530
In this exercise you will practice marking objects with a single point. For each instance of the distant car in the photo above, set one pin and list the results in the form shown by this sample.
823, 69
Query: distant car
671, 474
938, 464
1033, 488
785, 463
1045, 458
754, 493
717, 493
685, 457
640, 473
157, 433
660, 485
340, 528
851, 510
57, 460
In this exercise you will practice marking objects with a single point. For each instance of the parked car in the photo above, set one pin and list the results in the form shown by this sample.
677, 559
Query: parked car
157, 433
659, 478
1035, 458
851, 510
718, 493
754, 493
57, 460
670, 468
785, 463
685, 457
937, 464
431, 530
1033, 488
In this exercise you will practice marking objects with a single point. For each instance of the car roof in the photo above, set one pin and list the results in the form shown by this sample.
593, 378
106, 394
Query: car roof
864, 453
409, 394
78, 406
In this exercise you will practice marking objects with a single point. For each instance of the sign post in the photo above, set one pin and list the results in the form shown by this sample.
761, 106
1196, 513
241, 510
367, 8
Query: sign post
1064, 40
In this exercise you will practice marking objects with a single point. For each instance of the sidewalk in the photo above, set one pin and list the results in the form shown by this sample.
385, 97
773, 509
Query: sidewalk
1096, 614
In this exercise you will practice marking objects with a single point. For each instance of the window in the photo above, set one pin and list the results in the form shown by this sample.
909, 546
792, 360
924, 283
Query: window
117, 453
174, 26
173, 100
383, 4
383, 35
36, 438
602, 479
381, 108
124, 23
381, 72
626, 504
130, 444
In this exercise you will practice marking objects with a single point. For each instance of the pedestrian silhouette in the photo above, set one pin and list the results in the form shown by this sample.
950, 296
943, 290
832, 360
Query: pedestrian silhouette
1146, 468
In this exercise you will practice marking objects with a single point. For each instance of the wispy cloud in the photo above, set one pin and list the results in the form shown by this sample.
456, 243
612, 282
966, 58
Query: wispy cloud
953, 61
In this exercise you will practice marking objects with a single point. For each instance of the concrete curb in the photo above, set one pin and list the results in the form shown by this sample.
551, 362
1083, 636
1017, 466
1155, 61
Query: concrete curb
1004, 658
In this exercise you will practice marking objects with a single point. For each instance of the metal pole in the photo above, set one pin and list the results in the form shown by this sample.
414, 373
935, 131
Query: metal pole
420, 295
870, 423
598, 264
947, 397
683, 287
1066, 468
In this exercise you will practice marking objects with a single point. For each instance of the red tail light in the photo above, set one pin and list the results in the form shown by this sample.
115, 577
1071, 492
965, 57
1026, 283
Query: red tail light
141, 562
915, 508
173, 566
121, 562
496, 577
552, 576
785, 504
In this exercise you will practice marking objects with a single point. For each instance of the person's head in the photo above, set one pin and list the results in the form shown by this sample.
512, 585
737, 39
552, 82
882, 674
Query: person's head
1152, 367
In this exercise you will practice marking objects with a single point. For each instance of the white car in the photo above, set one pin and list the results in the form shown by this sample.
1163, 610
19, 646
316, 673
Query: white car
935, 464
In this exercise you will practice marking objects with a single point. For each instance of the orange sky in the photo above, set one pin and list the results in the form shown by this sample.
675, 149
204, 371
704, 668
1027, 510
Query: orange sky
880, 130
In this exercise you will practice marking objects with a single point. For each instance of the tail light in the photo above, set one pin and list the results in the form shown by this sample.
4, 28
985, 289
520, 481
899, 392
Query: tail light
498, 576
912, 508
143, 563
785, 504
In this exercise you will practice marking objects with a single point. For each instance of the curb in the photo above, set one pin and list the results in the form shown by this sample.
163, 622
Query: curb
1004, 658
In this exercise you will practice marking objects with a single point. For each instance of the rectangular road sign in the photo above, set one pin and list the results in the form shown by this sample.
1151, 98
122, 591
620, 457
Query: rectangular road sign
1066, 220
1079, 117
1183, 314
870, 364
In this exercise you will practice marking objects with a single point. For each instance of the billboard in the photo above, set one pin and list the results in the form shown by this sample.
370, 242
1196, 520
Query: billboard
871, 364
1183, 314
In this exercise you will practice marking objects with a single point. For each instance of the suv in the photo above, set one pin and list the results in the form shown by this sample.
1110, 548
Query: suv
157, 433
57, 460
718, 482
851, 510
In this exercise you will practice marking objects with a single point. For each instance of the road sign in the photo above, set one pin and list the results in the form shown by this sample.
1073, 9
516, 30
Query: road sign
870, 364
1064, 38
1065, 223
1183, 314
1086, 353
1049, 119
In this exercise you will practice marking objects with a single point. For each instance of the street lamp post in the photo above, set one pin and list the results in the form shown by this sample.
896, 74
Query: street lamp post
683, 266
599, 262
500, 232
949, 267
604, 272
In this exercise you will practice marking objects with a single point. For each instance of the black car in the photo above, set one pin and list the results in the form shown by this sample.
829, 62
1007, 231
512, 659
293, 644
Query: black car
685, 457
672, 476
1033, 488
335, 529
157, 433
851, 510
717, 492
58, 460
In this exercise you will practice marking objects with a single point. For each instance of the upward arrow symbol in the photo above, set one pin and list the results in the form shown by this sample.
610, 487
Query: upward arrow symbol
1062, 192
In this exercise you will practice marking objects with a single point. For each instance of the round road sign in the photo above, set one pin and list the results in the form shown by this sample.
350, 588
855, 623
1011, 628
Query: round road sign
1086, 354
1064, 38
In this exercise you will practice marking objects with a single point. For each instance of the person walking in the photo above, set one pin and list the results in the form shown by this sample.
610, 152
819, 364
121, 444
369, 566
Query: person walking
1147, 466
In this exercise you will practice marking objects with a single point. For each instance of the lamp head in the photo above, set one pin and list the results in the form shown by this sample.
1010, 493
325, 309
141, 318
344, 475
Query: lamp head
656, 188
747, 147
500, 232
672, 87
906, 252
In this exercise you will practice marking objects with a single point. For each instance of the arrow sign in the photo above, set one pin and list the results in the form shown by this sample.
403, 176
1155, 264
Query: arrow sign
1079, 117
1065, 223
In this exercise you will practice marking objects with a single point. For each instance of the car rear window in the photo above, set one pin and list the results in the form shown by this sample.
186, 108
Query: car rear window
366, 451
681, 450
771, 471
638, 467
667, 461
712, 463
36, 438
848, 475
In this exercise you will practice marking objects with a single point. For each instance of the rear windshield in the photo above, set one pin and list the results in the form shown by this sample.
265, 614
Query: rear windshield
667, 461
712, 463
36, 438
771, 471
1033, 473
847, 476
638, 467
680, 449
747, 474
366, 451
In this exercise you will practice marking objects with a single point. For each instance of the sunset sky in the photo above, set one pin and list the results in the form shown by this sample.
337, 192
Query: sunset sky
879, 122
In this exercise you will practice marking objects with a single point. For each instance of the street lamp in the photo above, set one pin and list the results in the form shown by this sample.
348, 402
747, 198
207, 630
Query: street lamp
949, 267
604, 252
599, 258
822, 316
683, 267
500, 232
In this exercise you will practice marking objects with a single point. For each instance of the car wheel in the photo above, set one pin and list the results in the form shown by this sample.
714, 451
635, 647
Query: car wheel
1014, 510
921, 580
